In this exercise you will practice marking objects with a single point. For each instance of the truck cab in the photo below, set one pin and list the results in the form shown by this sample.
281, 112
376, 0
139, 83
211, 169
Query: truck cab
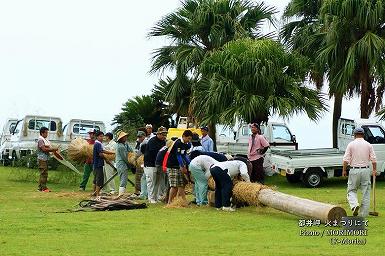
27, 130
5, 138
79, 128
277, 134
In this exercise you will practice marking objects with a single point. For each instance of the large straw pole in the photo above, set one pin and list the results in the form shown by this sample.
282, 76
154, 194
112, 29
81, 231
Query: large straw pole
301, 206
256, 194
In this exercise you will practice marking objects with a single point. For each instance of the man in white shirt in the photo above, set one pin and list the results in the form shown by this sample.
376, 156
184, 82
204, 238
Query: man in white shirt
223, 173
200, 170
110, 145
358, 154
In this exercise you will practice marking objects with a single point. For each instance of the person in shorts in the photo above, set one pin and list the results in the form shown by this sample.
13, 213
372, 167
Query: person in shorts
177, 163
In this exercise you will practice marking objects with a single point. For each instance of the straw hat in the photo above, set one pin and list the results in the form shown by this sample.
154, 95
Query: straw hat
121, 134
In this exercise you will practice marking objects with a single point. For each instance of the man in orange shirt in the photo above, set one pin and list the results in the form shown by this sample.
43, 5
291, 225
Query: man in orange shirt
357, 155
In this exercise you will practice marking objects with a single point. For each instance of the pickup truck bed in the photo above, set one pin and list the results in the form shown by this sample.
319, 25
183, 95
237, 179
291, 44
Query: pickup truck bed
308, 165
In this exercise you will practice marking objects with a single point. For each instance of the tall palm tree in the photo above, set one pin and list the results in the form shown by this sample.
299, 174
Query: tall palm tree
355, 48
302, 32
197, 28
254, 79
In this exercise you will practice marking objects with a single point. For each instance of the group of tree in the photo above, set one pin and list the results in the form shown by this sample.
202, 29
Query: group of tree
224, 69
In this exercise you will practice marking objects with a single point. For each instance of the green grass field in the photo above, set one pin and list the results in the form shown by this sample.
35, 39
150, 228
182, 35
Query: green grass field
31, 226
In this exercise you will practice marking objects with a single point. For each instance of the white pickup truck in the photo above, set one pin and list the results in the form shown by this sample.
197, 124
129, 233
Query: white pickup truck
312, 166
26, 132
5, 138
22, 138
278, 135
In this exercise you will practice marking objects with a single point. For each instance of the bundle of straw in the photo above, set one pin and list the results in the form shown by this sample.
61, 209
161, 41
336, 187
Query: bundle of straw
109, 157
211, 183
137, 162
79, 150
247, 193
178, 202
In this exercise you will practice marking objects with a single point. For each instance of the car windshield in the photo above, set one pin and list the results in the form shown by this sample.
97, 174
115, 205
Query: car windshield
374, 134
36, 124
281, 133
84, 128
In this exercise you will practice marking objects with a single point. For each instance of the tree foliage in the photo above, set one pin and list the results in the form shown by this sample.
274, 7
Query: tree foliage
254, 79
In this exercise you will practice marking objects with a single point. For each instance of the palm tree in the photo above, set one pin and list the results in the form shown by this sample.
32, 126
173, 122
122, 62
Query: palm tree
197, 28
302, 32
254, 79
354, 49
141, 110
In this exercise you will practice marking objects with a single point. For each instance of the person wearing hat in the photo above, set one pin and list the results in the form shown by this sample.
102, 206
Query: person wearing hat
223, 173
87, 168
141, 135
196, 144
152, 176
149, 133
121, 159
358, 154
207, 142
110, 145
258, 145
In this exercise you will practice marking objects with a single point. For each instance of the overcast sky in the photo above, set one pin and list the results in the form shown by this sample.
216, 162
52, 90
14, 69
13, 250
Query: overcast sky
85, 58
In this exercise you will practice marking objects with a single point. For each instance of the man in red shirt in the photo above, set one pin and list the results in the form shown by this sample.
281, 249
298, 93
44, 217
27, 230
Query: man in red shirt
88, 163
258, 146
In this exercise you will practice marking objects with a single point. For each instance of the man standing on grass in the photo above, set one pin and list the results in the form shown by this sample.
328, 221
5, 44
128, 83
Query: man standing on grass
207, 142
141, 135
152, 176
98, 163
43, 149
110, 145
121, 159
87, 169
177, 163
358, 154
258, 146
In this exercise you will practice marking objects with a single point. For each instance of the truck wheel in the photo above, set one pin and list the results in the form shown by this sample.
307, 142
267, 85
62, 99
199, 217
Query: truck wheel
293, 178
313, 178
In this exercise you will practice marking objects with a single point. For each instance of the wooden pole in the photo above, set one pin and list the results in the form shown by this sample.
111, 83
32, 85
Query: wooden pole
300, 206
256, 194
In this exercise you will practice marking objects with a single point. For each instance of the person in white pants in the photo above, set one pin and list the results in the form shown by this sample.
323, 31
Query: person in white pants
152, 177
357, 155
110, 145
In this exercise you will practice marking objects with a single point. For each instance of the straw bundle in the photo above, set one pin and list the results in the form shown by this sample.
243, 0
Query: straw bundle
211, 183
178, 202
109, 157
189, 188
137, 162
247, 193
79, 150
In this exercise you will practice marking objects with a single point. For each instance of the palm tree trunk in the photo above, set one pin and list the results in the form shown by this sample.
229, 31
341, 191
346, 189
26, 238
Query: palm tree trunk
366, 92
337, 109
213, 134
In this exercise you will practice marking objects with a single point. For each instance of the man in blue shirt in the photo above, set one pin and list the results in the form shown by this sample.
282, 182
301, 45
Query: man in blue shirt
98, 163
207, 142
